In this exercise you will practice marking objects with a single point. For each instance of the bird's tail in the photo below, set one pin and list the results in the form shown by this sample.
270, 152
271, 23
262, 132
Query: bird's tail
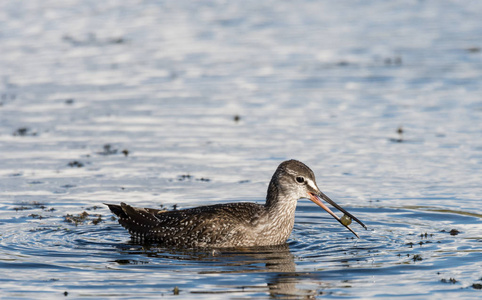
137, 221
117, 210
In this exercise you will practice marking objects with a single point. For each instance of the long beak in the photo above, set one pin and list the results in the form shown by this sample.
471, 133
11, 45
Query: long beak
316, 198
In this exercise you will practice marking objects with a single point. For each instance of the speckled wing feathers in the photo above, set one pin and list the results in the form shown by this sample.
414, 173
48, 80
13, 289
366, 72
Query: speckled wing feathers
206, 226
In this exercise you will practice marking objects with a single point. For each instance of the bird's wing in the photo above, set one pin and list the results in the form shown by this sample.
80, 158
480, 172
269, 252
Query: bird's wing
205, 225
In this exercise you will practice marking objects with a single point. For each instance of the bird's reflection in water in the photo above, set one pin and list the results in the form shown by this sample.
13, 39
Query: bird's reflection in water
275, 263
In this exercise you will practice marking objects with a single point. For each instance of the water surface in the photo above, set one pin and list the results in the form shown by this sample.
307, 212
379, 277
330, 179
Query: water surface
185, 104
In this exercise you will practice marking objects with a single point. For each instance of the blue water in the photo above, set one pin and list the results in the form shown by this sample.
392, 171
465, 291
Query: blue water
327, 83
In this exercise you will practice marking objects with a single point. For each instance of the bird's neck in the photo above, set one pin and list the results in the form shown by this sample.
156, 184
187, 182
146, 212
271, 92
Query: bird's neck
281, 209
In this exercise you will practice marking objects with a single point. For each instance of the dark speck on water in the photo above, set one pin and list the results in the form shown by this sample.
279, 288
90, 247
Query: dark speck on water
454, 232
76, 164
450, 280
31, 205
426, 235
203, 179
36, 216
117, 40
108, 150
417, 257
68, 186
21, 131
93, 207
473, 49
24, 131
400, 132
184, 177
21, 208
82, 218
92, 40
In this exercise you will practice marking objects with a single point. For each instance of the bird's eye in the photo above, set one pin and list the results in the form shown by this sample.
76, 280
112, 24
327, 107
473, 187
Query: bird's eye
300, 179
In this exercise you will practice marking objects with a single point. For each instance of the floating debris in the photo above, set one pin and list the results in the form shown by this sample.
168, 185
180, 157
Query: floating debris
108, 150
35, 182
97, 220
75, 163
21, 131
68, 186
396, 60
203, 179
450, 280
417, 257
38, 204
93, 207
454, 232
82, 218
36, 216
184, 177
400, 136
125, 152
477, 286
118, 40
17, 208
425, 235
24, 131
175, 290
473, 49
31, 205
236, 118
92, 40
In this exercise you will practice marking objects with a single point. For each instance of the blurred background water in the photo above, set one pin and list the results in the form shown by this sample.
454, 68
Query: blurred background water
181, 103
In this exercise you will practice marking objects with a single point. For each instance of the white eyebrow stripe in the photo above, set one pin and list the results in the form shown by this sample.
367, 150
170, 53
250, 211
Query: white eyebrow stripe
311, 184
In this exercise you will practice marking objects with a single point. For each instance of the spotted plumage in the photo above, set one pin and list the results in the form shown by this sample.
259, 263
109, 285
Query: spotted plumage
241, 224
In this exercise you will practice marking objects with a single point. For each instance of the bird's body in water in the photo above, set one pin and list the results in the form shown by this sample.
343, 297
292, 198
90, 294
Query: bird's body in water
240, 224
